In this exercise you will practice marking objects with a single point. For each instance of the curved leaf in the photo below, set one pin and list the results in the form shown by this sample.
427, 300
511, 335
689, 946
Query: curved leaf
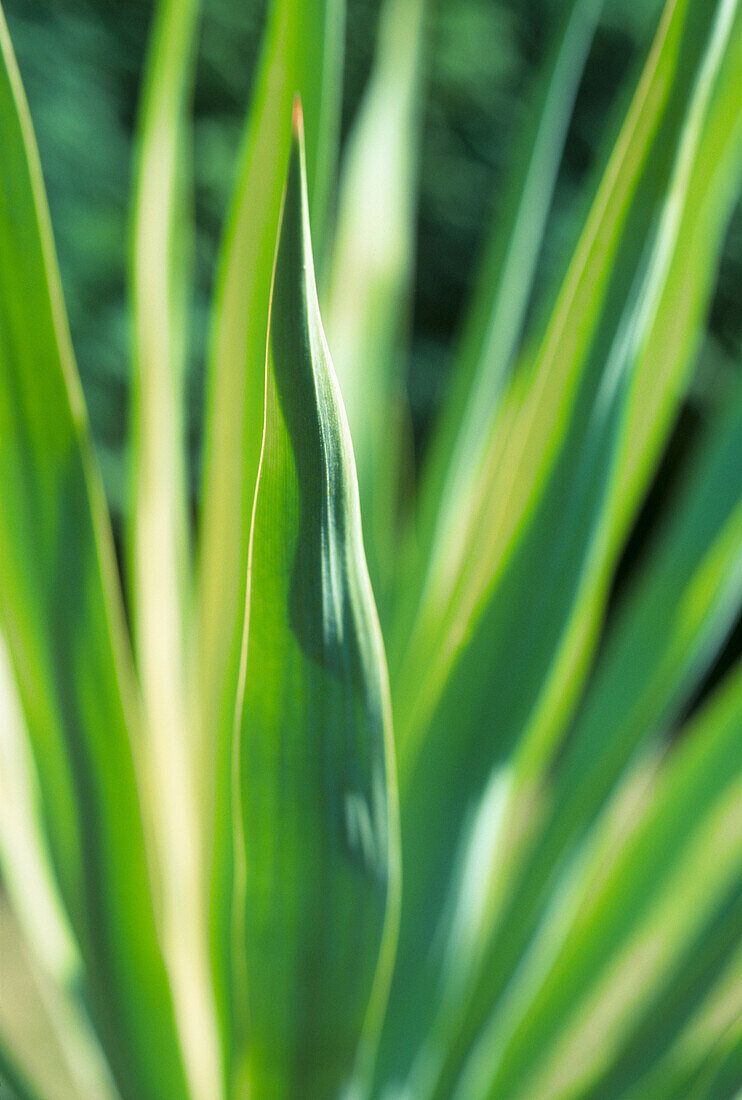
60, 612
302, 52
318, 869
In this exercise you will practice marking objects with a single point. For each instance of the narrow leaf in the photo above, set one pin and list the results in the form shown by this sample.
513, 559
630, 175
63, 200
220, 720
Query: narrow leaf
302, 52
160, 550
493, 326
370, 286
647, 1057
319, 862
36, 942
711, 183
513, 602
60, 612
632, 917
661, 644
42, 1049
25, 863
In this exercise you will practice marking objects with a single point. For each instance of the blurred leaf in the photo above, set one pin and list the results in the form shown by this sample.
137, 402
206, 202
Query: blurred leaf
60, 613
160, 572
702, 186
663, 640
370, 288
318, 860
40, 968
718, 1069
705, 1062
600, 314
713, 958
41, 1048
493, 324
302, 52
711, 177
514, 596
25, 864
628, 919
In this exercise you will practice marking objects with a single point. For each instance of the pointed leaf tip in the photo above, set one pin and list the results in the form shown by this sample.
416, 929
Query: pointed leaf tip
317, 794
297, 119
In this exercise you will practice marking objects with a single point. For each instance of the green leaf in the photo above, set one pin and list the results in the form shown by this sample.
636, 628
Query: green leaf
705, 1062
370, 287
600, 318
302, 52
493, 326
513, 601
44, 1031
711, 179
159, 290
665, 635
160, 544
60, 612
44, 1048
318, 869
628, 918
25, 865
718, 1068
682, 1016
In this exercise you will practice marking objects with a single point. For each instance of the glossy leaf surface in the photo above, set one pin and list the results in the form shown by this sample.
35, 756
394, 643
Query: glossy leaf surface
318, 865
301, 53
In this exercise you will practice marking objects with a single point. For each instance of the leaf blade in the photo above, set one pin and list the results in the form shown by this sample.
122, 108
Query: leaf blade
301, 52
492, 328
675, 867
160, 551
513, 708
62, 618
371, 274
316, 772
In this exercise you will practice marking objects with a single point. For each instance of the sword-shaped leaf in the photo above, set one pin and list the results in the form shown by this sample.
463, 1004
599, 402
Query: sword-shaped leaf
302, 52
493, 326
317, 883
160, 575
60, 613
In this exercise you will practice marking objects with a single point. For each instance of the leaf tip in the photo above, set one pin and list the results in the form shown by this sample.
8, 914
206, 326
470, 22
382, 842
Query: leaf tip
297, 119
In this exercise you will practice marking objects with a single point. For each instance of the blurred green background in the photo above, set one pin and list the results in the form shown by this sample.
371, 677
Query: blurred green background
81, 63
